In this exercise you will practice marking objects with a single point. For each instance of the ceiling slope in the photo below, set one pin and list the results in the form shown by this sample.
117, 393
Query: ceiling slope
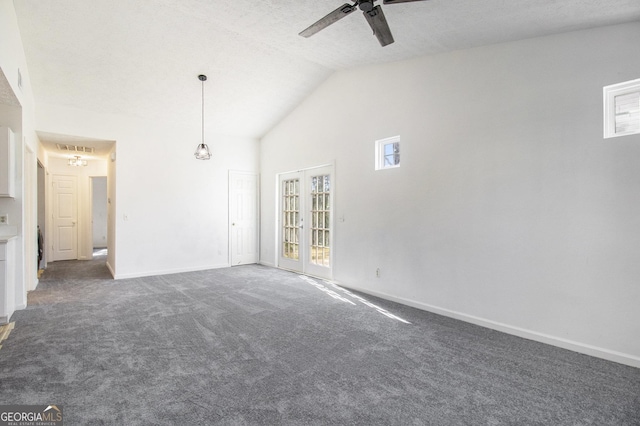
142, 58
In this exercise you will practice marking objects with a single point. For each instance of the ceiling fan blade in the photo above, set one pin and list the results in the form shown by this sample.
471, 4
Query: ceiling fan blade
399, 1
331, 18
378, 24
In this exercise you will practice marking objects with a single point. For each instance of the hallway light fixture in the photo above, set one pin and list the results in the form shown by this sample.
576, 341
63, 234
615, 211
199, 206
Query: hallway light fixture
202, 151
77, 161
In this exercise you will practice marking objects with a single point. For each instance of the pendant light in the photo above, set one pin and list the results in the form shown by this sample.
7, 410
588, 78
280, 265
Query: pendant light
202, 151
76, 161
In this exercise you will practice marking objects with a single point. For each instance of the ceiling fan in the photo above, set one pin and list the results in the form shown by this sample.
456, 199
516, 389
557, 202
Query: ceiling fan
373, 14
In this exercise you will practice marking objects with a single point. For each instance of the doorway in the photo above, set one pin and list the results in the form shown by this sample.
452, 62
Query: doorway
99, 215
306, 221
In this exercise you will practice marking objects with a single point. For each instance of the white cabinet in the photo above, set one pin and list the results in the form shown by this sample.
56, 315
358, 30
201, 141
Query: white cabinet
7, 163
7, 281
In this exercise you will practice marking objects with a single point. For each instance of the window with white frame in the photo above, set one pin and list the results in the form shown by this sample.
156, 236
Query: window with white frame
388, 153
622, 109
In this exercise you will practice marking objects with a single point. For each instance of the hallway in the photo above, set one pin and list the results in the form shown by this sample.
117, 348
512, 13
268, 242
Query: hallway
66, 270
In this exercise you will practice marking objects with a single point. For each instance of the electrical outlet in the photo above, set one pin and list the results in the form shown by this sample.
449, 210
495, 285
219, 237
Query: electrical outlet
4, 219
378, 272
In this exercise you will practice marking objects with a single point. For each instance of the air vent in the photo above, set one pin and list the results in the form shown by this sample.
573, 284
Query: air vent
75, 148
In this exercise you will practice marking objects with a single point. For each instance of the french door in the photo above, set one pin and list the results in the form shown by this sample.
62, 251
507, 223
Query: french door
306, 221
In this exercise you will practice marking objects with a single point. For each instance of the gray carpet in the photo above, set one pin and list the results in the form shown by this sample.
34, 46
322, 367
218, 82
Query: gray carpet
256, 345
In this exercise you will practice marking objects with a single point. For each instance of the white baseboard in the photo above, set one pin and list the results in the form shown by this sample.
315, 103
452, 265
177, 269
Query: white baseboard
571, 345
167, 271
270, 264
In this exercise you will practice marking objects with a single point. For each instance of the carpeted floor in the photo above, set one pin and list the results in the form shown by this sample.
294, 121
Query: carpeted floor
252, 345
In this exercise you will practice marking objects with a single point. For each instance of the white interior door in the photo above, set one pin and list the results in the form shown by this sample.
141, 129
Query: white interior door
243, 217
65, 217
306, 221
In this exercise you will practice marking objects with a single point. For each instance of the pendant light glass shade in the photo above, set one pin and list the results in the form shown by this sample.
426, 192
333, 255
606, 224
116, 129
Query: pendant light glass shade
202, 151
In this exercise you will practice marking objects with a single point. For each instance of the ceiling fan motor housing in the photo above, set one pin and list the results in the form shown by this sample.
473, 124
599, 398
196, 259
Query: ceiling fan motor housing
366, 5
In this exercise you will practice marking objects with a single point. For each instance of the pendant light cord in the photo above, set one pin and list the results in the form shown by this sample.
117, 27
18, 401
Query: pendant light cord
202, 111
202, 151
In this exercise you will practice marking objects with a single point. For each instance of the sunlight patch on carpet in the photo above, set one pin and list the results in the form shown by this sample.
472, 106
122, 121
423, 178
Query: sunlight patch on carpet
360, 299
5, 330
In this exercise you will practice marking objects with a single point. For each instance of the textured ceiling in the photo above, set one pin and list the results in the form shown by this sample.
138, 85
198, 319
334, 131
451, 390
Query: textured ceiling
142, 58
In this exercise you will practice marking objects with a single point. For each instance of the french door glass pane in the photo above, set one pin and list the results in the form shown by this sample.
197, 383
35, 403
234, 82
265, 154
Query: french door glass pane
290, 215
319, 244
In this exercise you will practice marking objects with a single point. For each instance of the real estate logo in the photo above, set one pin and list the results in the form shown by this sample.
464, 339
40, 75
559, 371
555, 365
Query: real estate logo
31, 415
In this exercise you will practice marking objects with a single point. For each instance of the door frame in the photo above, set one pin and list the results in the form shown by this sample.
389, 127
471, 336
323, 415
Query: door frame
90, 208
306, 267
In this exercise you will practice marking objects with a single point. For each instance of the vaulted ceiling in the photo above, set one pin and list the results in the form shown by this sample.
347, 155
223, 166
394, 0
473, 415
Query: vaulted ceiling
142, 58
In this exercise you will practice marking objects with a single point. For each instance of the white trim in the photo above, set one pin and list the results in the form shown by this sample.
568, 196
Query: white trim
167, 271
113, 273
560, 342
304, 170
609, 94
276, 250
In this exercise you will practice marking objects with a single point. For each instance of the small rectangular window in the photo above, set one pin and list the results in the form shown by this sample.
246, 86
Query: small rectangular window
388, 153
622, 109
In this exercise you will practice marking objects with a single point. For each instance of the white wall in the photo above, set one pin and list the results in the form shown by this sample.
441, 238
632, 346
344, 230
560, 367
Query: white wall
20, 120
509, 209
172, 210
176, 206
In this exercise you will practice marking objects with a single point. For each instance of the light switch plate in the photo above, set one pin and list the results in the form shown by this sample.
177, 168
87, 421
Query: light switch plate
4, 219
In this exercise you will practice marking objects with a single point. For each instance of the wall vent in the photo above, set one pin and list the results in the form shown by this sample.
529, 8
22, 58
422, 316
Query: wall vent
75, 148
